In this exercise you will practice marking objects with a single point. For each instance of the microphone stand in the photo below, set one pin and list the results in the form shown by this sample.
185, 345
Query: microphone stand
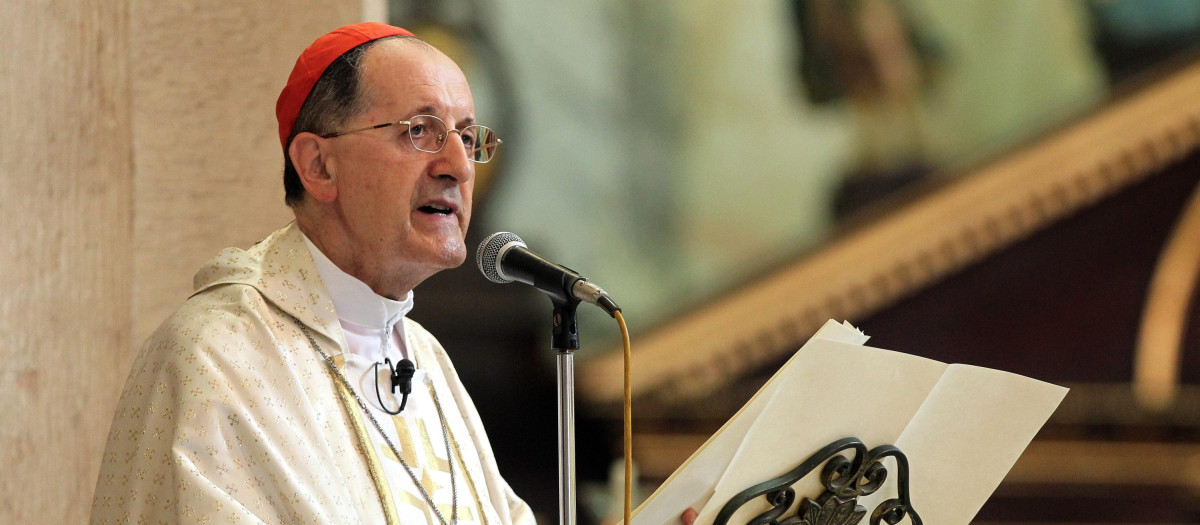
565, 340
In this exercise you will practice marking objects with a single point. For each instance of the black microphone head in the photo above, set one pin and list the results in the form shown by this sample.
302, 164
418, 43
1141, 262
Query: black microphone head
405, 368
490, 251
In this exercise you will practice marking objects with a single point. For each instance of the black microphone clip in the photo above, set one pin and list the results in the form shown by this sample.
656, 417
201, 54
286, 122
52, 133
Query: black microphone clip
401, 377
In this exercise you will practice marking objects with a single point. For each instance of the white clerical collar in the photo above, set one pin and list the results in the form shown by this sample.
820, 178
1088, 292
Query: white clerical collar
353, 300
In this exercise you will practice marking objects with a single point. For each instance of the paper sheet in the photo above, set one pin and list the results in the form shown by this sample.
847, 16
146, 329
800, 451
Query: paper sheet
692, 484
961, 427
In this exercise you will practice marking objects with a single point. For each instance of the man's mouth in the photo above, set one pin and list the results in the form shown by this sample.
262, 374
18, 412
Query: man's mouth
436, 209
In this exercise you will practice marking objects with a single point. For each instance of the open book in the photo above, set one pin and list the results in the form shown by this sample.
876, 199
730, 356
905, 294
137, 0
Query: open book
962, 427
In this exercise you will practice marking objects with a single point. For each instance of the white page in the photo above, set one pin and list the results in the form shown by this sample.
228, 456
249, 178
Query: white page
831, 391
692, 484
967, 436
962, 428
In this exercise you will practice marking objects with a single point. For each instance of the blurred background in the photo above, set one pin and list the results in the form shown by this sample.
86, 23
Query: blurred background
690, 157
677, 152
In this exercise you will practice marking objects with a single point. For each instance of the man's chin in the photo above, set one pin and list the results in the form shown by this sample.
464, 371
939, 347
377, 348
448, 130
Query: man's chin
453, 254
435, 253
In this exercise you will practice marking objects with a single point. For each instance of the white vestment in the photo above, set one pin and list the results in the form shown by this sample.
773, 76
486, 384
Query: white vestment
230, 416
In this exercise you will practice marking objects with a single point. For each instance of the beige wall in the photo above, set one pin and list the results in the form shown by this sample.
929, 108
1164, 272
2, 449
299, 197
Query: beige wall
137, 139
64, 268
206, 152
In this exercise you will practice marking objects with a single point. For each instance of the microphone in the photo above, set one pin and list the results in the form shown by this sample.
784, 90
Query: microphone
503, 258
401, 376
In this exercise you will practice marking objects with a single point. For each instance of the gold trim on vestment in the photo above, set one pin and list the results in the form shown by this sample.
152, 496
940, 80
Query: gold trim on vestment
368, 448
431, 388
483, 517
431, 385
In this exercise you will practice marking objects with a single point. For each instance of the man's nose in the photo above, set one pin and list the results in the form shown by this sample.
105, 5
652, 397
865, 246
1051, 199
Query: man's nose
454, 155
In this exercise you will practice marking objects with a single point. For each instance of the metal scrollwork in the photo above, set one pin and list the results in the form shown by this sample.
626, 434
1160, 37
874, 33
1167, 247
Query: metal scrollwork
844, 479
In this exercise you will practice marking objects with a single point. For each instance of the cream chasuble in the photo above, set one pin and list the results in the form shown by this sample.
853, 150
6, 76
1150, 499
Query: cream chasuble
374, 331
230, 416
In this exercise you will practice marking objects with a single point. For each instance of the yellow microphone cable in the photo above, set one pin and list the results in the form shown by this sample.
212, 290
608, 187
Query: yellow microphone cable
628, 419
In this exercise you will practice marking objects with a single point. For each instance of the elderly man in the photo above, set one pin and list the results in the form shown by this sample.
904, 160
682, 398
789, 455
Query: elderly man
290, 387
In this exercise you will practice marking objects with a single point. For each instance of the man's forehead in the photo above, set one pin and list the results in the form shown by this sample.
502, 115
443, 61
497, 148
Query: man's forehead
410, 75
411, 58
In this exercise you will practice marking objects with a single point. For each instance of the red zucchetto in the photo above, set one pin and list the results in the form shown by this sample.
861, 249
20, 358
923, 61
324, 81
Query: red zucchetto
312, 63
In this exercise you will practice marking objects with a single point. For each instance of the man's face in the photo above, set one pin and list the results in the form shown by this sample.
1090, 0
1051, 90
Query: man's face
405, 212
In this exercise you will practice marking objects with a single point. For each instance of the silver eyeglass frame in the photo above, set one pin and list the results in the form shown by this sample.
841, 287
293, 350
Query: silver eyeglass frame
441, 139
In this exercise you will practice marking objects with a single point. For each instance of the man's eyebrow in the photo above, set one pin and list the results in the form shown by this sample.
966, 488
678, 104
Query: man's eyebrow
430, 110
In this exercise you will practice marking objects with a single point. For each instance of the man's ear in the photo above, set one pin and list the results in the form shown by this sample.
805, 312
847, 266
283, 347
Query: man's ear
309, 156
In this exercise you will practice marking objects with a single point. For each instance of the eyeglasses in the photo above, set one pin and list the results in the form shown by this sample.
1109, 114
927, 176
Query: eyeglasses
428, 133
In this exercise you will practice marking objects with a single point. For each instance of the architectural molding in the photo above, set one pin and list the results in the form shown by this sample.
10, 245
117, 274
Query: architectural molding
912, 248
